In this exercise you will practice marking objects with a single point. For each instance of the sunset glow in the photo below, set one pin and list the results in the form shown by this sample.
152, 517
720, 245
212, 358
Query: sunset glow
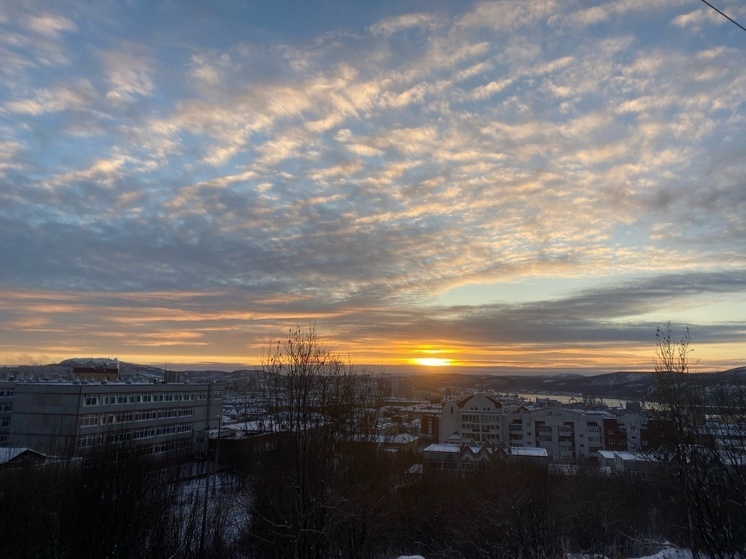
432, 361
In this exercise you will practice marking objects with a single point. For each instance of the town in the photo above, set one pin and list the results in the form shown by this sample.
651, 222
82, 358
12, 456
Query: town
346, 437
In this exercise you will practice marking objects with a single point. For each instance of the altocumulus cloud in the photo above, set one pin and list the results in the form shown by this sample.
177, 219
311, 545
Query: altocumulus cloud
364, 170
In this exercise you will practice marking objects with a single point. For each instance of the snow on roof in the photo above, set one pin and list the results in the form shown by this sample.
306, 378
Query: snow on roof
608, 454
454, 438
461, 403
443, 448
634, 456
8, 454
403, 438
528, 451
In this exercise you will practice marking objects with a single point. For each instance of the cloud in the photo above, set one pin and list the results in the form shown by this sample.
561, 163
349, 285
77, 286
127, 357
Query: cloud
696, 19
30, 39
128, 73
585, 325
73, 97
367, 169
50, 25
407, 21
587, 16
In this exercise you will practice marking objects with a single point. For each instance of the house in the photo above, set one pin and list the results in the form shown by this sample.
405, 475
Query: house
17, 457
466, 459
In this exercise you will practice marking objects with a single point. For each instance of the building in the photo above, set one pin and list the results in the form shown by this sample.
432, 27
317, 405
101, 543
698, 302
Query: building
464, 460
568, 435
96, 370
479, 417
78, 417
7, 395
19, 457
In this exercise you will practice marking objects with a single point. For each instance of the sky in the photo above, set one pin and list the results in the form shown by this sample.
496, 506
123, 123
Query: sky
513, 185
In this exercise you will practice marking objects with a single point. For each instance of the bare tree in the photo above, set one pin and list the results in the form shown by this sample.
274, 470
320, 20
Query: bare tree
323, 411
705, 457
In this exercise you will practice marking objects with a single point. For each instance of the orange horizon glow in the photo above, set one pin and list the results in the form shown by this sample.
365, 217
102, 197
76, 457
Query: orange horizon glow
432, 361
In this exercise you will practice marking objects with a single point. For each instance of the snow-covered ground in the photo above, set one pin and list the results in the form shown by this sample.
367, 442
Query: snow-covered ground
664, 554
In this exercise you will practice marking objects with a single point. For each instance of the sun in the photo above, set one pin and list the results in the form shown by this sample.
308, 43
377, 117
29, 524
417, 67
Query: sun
432, 361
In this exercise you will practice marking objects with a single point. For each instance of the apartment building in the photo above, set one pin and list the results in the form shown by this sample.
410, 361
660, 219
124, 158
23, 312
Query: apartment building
479, 417
567, 435
77, 417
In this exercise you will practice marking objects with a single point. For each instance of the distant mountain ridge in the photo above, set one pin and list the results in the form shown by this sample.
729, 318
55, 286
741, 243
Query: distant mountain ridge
637, 386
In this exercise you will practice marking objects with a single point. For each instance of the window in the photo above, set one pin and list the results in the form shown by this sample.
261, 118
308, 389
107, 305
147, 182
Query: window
166, 430
87, 441
6, 407
89, 420
144, 433
91, 400
5, 422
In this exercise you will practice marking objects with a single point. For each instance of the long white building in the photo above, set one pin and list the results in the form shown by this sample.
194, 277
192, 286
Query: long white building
77, 417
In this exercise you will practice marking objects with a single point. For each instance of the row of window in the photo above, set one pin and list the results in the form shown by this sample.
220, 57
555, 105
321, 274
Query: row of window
97, 419
147, 432
478, 427
492, 418
146, 398
97, 439
7, 392
6, 407
171, 446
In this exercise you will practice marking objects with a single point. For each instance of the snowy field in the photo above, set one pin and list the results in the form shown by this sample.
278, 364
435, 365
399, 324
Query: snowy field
664, 554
